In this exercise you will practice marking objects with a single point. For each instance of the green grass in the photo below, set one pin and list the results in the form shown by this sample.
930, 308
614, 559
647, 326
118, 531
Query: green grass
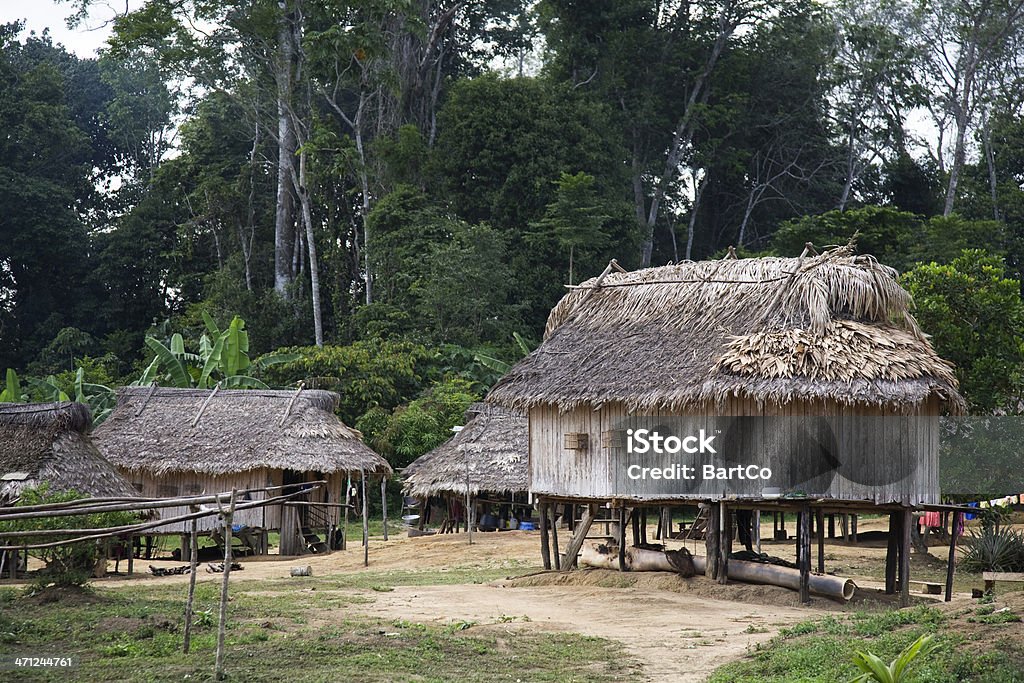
820, 650
313, 636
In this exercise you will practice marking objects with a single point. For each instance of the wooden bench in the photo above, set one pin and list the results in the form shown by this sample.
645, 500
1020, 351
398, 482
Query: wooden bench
990, 579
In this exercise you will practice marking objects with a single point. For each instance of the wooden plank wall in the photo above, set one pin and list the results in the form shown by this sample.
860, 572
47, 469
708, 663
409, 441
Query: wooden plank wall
883, 457
189, 483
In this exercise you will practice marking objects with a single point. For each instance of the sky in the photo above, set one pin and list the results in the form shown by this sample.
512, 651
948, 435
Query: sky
83, 40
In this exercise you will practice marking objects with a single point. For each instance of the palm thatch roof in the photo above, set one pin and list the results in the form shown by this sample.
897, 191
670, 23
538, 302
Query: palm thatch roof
835, 327
226, 431
49, 443
490, 453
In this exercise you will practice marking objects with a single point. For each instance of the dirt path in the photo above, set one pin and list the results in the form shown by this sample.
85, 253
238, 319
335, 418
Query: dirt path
676, 637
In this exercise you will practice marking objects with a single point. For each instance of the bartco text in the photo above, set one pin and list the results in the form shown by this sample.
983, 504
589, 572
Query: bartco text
644, 441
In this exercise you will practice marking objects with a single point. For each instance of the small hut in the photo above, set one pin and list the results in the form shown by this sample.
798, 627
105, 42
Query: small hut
483, 465
821, 350
181, 442
49, 443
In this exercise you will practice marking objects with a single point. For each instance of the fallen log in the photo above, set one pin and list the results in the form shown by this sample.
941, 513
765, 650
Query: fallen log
642, 559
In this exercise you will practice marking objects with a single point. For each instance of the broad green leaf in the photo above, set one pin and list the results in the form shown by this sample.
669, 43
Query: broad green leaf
175, 369
213, 361
210, 324
242, 382
149, 374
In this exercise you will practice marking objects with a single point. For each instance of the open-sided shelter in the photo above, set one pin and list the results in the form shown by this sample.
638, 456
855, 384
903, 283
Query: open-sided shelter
485, 462
176, 442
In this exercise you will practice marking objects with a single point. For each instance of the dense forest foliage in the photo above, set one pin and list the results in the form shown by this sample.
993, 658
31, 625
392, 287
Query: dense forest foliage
392, 194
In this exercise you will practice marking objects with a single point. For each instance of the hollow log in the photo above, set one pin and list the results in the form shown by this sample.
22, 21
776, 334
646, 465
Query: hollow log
642, 559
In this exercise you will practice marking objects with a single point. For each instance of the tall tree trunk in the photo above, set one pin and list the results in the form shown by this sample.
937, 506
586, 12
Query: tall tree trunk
692, 222
990, 161
314, 268
683, 135
284, 219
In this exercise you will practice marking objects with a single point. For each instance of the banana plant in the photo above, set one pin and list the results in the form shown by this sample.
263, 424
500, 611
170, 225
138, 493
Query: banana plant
223, 357
47, 389
500, 366
12, 392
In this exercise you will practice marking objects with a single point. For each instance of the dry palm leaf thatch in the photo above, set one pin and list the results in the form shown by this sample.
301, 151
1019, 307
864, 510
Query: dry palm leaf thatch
835, 327
489, 454
49, 443
226, 431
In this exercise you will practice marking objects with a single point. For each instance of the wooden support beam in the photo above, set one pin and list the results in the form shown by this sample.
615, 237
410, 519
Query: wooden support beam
193, 563
804, 542
821, 541
634, 516
545, 543
831, 525
553, 509
853, 529
366, 524
643, 526
711, 539
757, 531
891, 553
908, 520
953, 533
384, 503
622, 539
572, 551
724, 542
228, 518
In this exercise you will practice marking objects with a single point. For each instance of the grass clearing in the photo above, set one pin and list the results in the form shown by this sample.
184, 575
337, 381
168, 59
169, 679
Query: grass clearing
820, 650
310, 633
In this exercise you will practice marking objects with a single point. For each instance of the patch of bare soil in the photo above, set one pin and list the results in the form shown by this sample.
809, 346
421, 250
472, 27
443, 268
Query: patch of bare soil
676, 637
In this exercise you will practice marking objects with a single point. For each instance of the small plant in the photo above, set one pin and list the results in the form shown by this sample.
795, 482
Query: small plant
203, 617
896, 671
754, 628
994, 551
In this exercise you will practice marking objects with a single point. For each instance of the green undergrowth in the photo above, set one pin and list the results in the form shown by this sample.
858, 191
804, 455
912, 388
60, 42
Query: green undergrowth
820, 650
312, 634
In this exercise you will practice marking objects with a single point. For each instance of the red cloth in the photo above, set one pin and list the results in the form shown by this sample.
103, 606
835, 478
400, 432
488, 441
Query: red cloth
931, 519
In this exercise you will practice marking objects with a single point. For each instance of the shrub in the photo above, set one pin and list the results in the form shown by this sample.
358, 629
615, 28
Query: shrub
994, 551
66, 565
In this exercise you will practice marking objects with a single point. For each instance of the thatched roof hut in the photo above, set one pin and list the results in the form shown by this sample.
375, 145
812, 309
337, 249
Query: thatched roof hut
159, 431
735, 350
489, 453
835, 327
181, 442
49, 443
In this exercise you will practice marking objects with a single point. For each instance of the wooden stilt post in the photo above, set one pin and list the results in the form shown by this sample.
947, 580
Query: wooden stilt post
757, 531
844, 524
634, 516
832, 525
853, 529
724, 541
553, 509
348, 501
622, 539
954, 532
366, 522
228, 517
821, 541
711, 539
572, 550
908, 519
384, 502
643, 526
799, 536
545, 545
891, 553
805, 554
193, 562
